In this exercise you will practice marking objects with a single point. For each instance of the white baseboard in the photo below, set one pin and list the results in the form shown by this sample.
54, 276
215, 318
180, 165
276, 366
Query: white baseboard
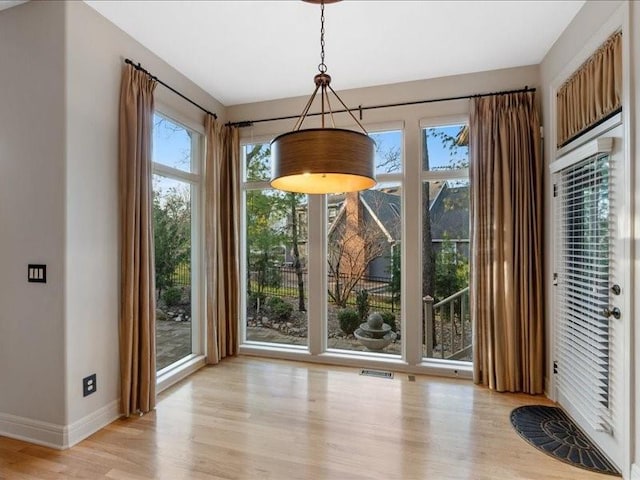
57, 436
635, 472
33, 431
90, 424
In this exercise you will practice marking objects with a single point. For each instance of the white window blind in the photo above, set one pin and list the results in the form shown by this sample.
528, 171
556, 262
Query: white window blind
582, 293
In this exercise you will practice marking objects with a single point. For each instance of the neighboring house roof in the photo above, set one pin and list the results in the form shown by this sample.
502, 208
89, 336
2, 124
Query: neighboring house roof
435, 187
450, 213
449, 209
385, 209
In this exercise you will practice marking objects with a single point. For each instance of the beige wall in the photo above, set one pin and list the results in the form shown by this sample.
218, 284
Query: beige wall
95, 50
32, 213
409, 118
58, 205
394, 93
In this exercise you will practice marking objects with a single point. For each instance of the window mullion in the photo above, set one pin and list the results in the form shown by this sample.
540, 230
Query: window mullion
317, 252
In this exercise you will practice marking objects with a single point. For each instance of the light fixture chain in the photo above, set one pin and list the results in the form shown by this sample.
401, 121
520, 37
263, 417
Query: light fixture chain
322, 67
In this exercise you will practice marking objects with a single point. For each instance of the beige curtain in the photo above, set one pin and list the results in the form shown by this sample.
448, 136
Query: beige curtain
137, 279
222, 166
592, 93
506, 224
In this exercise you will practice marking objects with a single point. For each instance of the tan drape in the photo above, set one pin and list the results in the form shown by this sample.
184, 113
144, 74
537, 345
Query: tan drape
592, 93
506, 236
222, 166
137, 276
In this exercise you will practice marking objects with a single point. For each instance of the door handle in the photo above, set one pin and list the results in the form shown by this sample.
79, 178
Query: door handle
612, 312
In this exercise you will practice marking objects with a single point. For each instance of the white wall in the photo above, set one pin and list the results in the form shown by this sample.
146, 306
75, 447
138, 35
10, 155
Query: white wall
635, 162
58, 198
586, 28
32, 214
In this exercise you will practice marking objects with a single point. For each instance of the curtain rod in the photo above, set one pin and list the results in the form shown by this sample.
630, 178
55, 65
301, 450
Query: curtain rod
139, 67
360, 108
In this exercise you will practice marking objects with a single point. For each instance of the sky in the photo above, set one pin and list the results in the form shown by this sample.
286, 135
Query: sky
171, 144
172, 147
440, 155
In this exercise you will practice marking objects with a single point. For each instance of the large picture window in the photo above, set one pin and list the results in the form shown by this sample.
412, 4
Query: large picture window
347, 275
364, 239
445, 242
176, 187
275, 258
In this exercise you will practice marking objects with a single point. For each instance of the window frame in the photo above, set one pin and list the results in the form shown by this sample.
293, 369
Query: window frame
174, 372
395, 178
410, 179
246, 186
440, 176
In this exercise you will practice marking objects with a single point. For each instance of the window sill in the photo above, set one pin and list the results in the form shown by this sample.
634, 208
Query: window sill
179, 370
446, 368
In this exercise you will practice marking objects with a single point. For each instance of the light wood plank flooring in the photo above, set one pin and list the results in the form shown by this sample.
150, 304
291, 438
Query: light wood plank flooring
251, 418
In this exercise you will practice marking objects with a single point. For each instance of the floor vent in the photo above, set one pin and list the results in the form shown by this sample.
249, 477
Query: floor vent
376, 373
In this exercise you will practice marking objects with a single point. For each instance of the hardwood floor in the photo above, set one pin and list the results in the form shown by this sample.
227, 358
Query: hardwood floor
251, 418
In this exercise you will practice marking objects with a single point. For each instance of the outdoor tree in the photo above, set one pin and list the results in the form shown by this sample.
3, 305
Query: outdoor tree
172, 233
355, 240
272, 223
428, 259
389, 158
452, 270
264, 239
452, 144
395, 273
265, 228
295, 200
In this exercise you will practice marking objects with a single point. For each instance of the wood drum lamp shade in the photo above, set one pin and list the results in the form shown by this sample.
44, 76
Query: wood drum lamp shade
322, 160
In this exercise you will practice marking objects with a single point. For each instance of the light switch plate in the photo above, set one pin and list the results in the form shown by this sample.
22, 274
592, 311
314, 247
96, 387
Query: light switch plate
37, 273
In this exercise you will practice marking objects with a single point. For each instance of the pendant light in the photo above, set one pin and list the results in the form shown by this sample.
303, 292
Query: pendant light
326, 159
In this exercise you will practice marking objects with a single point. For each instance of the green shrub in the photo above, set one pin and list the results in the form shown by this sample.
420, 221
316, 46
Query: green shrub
279, 310
362, 304
349, 320
390, 319
255, 300
172, 296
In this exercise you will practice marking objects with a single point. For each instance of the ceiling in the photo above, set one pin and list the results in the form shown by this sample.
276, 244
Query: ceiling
246, 51
4, 4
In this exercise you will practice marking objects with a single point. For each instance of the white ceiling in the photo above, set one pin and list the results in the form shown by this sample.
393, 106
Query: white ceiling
246, 51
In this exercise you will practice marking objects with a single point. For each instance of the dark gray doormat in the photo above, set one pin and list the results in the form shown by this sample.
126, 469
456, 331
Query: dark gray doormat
550, 429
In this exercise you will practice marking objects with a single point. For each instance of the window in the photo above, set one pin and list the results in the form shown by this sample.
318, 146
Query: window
356, 254
364, 237
445, 242
176, 187
275, 259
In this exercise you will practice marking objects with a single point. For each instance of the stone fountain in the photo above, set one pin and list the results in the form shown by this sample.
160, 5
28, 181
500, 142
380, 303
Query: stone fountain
374, 333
